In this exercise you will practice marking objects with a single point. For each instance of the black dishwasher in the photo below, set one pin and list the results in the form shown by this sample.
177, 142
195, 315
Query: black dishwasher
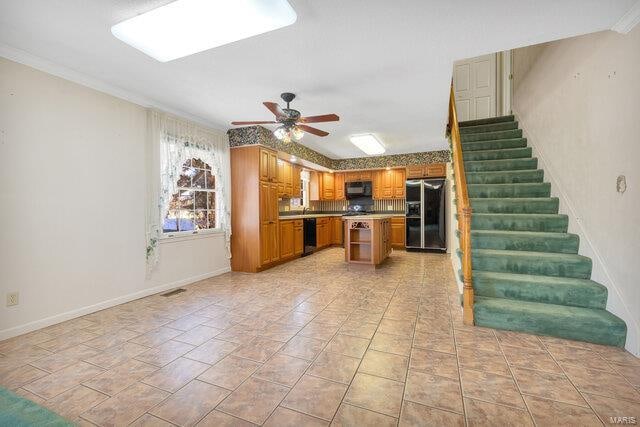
309, 236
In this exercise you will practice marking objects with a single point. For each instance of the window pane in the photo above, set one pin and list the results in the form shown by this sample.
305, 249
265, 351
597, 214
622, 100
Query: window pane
187, 221
170, 222
174, 204
197, 163
211, 180
212, 200
186, 199
185, 178
201, 200
199, 178
212, 219
201, 220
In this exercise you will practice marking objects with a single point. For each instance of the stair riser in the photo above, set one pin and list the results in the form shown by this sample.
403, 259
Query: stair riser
500, 165
542, 189
492, 127
528, 206
512, 153
505, 177
555, 225
490, 120
486, 136
580, 268
565, 245
498, 144
561, 327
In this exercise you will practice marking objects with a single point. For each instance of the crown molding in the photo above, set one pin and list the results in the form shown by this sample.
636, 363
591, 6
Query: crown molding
49, 67
628, 20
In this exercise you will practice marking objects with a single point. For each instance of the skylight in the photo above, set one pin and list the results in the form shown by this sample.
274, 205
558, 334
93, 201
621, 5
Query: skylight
368, 143
185, 27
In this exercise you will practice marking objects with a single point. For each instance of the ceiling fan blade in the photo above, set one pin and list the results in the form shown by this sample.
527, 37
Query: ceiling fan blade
275, 109
319, 119
253, 123
313, 130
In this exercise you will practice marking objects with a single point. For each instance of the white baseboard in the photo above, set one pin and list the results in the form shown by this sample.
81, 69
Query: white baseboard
615, 303
52, 320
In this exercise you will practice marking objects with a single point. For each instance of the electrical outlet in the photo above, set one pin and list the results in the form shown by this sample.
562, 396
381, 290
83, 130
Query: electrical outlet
12, 299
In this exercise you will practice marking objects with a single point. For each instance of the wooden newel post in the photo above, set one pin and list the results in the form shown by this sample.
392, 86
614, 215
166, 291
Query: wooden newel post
467, 298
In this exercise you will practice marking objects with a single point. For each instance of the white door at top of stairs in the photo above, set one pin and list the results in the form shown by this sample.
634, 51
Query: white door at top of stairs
474, 83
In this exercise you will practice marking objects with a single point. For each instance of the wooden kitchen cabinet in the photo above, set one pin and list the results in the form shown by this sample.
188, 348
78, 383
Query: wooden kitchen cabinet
280, 177
336, 230
387, 183
398, 232
352, 176
431, 170
298, 237
288, 179
287, 241
366, 175
323, 232
399, 181
296, 189
338, 186
268, 165
327, 186
269, 241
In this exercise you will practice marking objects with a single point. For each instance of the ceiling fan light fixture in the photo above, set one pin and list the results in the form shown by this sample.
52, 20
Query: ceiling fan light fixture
281, 133
368, 143
296, 133
185, 27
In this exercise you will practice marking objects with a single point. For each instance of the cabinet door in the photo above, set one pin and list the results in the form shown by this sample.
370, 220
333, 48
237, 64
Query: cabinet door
386, 189
288, 179
338, 186
365, 175
315, 185
280, 177
273, 166
327, 186
273, 203
265, 199
265, 244
376, 178
436, 170
337, 231
397, 232
415, 171
352, 176
286, 239
298, 239
399, 183
265, 157
295, 184
320, 234
274, 241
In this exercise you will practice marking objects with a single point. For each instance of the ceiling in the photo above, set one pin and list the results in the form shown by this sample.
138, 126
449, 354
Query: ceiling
384, 67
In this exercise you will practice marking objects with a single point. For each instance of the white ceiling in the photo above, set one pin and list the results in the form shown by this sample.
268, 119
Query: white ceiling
382, 66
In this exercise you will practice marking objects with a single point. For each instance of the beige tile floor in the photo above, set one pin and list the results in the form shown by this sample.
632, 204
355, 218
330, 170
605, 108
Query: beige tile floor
312, 343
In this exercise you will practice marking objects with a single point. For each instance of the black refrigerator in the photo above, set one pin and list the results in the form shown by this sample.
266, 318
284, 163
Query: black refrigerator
425, 214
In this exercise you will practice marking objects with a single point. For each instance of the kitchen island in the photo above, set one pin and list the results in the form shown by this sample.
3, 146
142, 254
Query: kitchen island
367, 239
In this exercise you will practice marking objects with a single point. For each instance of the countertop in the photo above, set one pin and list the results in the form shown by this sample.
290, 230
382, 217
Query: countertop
321, 215
371, 216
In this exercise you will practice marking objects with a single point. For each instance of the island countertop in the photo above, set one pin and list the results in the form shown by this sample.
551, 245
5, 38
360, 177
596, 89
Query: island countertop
372, 216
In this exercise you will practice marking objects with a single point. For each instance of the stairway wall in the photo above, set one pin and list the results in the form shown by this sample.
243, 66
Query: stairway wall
577, 101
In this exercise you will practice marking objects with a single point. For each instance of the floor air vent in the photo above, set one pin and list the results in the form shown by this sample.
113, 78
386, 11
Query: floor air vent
173, 292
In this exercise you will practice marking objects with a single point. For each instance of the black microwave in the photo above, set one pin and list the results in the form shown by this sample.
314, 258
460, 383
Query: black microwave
354, 190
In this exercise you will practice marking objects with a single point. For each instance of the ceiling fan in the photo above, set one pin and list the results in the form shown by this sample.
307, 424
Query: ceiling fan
292, 124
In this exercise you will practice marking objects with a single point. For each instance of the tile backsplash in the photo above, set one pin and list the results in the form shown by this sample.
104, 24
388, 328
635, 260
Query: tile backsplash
391, 205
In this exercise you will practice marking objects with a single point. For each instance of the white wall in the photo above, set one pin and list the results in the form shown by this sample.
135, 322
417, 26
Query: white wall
72, 190
578, 103
453, 242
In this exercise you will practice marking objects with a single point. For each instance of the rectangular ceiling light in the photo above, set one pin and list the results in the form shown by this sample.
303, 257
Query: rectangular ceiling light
185, 27
368, 143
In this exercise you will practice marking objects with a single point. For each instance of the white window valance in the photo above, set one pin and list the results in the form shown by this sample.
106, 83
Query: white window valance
171, 142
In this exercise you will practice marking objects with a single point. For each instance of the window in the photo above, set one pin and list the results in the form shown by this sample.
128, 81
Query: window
193, 207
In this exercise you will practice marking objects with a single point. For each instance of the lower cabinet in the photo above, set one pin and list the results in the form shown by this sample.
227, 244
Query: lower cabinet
269, 248
291, 238
323, 232
397, 232
336, 230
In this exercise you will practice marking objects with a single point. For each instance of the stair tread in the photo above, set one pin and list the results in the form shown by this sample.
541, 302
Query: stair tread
508, 184
540, 234
488, 127
585, 324
524, 215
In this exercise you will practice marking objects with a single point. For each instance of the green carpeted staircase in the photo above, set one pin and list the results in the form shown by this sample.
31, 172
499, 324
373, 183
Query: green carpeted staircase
527, 274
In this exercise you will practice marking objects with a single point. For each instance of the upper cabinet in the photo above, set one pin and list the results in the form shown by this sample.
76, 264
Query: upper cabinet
338, 186
389, 184
268, 165
327, 186
296, 186
431, 170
